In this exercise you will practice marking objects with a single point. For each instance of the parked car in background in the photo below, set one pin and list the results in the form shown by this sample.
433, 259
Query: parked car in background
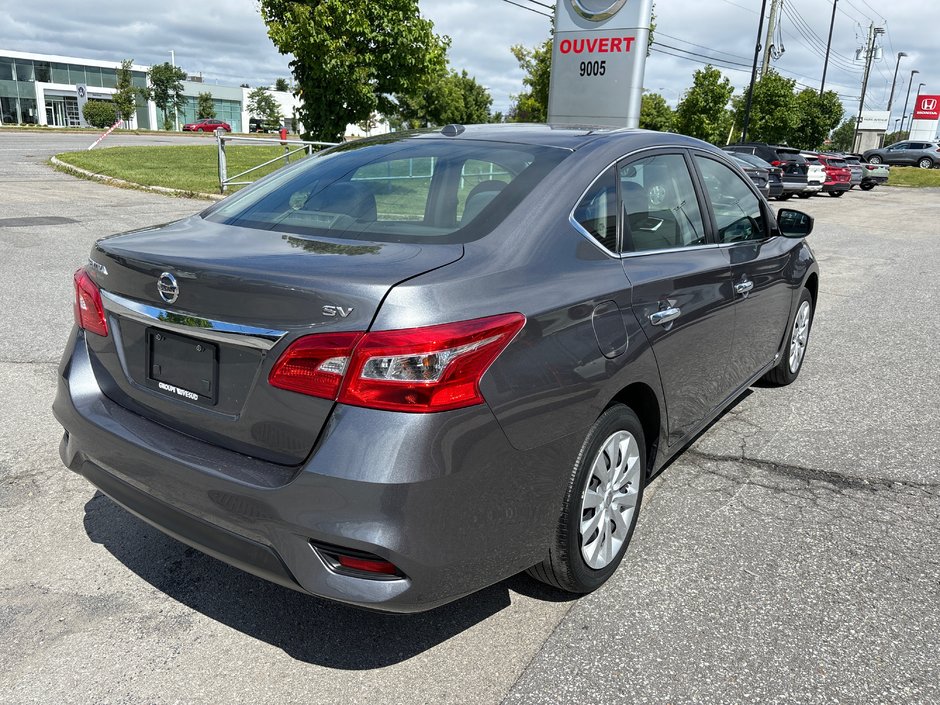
259, 125
758, 176
394, 402
209, 125
838, 175
855, 166
874, 174
926, 155
815, 175
774, 173
787, 158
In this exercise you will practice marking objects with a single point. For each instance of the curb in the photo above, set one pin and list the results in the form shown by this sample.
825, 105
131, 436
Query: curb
121, 183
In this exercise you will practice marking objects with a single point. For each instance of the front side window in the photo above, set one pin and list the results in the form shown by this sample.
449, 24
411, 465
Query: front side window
397, 189
660, 207
738, 213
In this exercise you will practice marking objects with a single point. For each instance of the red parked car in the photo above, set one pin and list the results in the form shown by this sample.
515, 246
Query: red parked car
207, 126
838, 175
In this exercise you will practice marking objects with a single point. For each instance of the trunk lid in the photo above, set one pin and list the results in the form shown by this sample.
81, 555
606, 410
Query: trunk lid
196, 355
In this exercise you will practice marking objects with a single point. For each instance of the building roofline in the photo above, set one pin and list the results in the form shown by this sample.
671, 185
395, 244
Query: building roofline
69, 60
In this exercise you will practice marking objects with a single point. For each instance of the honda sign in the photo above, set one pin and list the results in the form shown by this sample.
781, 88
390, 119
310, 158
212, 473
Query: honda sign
927, 107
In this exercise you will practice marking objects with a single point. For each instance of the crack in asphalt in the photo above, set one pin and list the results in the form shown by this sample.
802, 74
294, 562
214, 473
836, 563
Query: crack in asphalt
29, 362
832, 477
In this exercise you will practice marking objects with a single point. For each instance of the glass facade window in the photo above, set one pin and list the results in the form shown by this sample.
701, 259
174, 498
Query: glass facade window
6, 69
60, 73
77, 74
43, 71
24, 70
8, 110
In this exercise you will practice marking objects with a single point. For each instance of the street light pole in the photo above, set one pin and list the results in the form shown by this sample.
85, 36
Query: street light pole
910, 124
907, 96
832, 24
750, 90
176, 115
895, 80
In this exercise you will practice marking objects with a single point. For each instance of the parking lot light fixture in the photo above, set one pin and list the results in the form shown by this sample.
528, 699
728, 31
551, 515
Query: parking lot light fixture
895, 80
907, 97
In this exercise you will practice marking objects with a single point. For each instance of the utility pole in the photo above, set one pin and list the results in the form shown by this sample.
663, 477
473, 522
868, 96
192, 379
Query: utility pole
768, 45
832, 24
873, 33
750, 90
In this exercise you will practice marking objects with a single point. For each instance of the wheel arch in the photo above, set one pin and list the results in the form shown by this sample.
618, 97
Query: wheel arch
645, 404
812, 285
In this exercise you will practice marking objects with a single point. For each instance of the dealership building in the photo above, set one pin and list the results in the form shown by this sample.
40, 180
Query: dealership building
42, 89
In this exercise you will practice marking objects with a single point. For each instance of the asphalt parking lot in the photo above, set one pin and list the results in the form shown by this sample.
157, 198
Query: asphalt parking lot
789, 556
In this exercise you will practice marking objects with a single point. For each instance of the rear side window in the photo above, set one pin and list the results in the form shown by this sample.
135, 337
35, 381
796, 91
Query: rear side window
596, 212
738, 213
660, 208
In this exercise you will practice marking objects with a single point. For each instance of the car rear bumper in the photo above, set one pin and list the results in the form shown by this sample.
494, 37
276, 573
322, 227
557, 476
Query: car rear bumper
837, 186
813, 187
444, 496
875, 180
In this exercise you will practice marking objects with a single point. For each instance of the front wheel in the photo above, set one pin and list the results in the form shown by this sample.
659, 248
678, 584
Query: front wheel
784, 196
874, 159
601, 505
788, 369
808, 194
836, 194
199, 129
925, 163
867, 187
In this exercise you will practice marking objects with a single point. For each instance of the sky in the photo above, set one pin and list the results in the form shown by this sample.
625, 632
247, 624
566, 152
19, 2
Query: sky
227, 42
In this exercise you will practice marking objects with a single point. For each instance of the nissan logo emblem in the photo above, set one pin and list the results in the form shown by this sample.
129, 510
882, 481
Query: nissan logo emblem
597, 10
167, 287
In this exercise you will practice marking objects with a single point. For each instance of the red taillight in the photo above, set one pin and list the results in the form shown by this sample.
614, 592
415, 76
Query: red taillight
777, 162
315, 364
89, 311
420, 370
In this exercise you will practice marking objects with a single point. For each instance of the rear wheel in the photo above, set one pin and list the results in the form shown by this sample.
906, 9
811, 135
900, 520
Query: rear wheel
601, 505
788, 369
808, 194
836, 194
925, 163
784, 196
874, 159
867, 187
199, 129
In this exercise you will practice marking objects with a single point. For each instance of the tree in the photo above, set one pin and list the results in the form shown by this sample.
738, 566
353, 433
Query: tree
261, 104
449, 97
655, 113
817, 116
703, 111
205, 107
532, 104
844, 135
774, 112
350, 56
280, 84
125, 95
100, 113
166, 90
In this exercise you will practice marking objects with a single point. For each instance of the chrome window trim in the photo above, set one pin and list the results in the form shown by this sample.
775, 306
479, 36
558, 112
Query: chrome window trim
195, 326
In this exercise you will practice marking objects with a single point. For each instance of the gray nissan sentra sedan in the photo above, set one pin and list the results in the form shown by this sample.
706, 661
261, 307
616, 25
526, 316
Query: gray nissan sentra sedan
412, 366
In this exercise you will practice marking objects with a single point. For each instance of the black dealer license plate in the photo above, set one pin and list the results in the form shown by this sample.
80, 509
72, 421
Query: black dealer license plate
183, 367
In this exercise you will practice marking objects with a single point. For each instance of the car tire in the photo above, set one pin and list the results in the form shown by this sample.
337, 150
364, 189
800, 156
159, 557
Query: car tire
585, 552
788, 369
925, 163
805, 195
784, 196
836, 194
867, 187
199, 129
874, 159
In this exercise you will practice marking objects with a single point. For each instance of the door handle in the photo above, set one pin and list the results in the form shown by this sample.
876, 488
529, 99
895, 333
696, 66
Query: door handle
744, 287
665, 316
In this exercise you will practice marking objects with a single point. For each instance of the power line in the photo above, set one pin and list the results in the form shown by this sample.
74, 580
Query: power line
818, 45
530, 9
701, 46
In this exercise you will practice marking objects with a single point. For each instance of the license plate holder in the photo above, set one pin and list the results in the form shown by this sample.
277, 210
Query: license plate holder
182, 367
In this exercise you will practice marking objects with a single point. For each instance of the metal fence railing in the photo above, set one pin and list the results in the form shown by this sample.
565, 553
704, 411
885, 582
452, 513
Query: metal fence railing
291, 147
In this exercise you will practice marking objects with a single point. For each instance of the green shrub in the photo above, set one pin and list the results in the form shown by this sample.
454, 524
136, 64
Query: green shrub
100, 113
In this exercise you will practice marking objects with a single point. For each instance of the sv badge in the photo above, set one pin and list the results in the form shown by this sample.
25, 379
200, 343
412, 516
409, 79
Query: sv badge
337, 311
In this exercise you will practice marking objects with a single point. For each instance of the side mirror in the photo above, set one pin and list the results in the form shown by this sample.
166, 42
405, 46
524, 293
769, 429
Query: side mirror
793, 223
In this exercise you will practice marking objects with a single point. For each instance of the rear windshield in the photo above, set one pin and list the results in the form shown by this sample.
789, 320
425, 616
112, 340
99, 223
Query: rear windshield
791, 156
400, 190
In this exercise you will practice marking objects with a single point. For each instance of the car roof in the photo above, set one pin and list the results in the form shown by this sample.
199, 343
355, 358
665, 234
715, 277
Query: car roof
570, 137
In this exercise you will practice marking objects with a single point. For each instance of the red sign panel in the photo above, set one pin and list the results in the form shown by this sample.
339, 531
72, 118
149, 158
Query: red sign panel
927, 107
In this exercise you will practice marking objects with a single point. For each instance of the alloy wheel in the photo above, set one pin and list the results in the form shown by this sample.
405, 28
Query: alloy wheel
798, 337
609, 499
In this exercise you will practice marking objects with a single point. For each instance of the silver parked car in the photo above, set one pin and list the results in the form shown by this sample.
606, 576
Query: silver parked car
924, 154
414, 365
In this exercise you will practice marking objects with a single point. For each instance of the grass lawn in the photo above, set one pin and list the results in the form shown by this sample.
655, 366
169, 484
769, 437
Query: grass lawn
186, 167
913, 176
